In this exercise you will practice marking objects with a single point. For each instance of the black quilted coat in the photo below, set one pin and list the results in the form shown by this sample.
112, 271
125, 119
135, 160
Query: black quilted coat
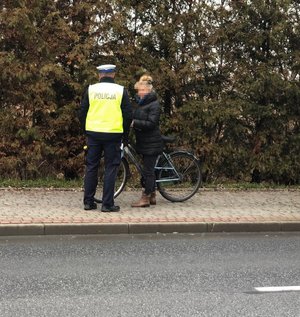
146, 126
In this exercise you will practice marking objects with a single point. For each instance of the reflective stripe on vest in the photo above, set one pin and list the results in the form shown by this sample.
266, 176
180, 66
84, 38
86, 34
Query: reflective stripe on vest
105, 114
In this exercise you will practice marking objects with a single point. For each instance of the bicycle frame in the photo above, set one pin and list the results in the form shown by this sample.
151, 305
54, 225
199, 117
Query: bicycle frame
168, 167
128, 150
177, 174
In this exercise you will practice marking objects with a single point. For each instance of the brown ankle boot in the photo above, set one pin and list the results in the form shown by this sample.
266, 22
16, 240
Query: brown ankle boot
153, 198
143, 202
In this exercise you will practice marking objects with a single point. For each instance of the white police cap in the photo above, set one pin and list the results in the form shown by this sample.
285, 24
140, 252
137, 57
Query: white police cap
109, 68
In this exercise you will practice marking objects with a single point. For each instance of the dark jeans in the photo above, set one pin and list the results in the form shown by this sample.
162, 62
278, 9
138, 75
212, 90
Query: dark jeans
148, 178
112, 160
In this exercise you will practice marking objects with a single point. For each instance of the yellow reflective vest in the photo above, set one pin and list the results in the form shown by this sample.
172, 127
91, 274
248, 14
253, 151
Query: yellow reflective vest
105, 113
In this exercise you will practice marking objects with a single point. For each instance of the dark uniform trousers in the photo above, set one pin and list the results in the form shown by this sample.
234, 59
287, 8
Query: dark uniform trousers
112, 160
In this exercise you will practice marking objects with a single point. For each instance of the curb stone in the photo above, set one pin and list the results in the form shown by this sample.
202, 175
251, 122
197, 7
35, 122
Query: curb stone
21, 229
144, 228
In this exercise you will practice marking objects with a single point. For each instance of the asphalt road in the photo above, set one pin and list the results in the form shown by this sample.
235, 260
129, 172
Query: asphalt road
149, 275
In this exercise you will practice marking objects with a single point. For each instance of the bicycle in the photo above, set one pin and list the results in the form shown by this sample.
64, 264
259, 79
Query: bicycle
178, 175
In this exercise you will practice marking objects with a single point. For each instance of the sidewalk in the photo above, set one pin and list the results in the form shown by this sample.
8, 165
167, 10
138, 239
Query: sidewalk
49, 211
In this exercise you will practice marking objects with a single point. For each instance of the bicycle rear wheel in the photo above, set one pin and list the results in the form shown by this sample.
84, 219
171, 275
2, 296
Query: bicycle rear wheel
180, 186
121, 179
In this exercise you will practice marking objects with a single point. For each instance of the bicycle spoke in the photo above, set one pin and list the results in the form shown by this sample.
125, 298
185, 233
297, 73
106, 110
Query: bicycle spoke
190, 166
183, 183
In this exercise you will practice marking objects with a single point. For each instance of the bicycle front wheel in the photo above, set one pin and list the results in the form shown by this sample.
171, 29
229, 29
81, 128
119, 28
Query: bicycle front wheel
179, 179
121, 179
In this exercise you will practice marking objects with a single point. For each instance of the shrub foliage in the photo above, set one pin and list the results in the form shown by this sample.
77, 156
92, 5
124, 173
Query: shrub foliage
227, 74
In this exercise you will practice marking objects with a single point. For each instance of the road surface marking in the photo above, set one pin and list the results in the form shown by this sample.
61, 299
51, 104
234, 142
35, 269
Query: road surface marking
272, 289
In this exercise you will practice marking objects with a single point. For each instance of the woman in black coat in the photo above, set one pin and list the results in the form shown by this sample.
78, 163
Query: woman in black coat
148, 138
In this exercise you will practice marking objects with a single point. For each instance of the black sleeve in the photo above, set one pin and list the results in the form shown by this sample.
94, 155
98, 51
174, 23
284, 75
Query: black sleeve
84, 108
127, 113
151, 122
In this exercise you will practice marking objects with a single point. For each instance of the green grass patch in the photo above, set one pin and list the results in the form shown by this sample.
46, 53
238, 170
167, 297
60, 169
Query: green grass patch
78, 183
41, 183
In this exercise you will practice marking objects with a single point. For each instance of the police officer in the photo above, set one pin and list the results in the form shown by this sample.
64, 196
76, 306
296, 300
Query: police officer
105, 115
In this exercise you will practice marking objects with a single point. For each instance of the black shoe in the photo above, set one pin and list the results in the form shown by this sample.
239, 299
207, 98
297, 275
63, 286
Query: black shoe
110, 209
90, 206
